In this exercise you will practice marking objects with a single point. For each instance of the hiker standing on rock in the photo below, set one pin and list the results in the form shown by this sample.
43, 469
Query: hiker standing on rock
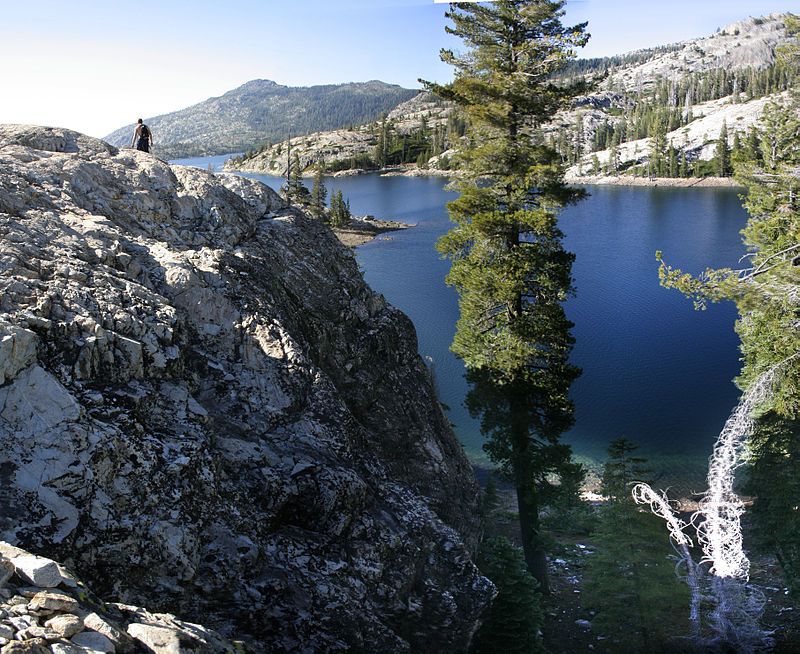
142, 137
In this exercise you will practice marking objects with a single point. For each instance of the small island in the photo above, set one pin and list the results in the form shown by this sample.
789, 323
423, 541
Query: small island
362, 230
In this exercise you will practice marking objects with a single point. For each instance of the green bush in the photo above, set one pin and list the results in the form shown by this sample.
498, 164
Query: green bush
515, 618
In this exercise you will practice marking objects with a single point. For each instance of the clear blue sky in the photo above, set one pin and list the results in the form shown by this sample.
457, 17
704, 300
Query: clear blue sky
95, 65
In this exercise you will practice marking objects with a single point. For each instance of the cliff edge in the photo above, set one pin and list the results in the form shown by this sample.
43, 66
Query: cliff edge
205, 409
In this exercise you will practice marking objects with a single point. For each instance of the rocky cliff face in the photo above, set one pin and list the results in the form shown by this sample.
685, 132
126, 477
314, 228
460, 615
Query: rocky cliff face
747, 43
204, 408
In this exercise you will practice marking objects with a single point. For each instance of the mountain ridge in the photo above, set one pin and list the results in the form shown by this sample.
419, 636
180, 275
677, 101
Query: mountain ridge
685, 77
261, 110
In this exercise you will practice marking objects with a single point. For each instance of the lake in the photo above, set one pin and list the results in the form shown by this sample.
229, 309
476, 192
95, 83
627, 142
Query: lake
654, 369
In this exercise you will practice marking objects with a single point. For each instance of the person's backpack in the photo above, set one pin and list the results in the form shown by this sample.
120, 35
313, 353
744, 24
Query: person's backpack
144, 133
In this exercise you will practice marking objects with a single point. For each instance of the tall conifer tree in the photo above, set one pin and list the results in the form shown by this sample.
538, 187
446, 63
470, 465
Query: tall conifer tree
723, 154
630, 582
297, 191
318, 193
508, 262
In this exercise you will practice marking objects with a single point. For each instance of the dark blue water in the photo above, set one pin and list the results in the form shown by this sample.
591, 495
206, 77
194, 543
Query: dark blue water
654, 369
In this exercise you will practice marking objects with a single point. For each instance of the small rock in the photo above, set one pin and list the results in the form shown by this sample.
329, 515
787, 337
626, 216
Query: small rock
22, 622
94, 641
583, 623
37, 570
98, 624
37, 632
53, 600
66, 625
6, 571
6, 631
27, 592
159, 639
35, 646
62, 647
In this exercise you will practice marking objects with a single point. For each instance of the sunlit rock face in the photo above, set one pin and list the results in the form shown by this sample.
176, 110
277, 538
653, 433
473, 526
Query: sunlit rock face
204, 409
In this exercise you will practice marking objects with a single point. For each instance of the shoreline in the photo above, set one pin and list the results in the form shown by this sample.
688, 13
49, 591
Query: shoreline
412, 170
652, 182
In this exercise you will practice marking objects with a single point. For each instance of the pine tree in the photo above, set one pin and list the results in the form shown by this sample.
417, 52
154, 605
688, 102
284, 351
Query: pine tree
508, 262
491, 497
672, 161
335, 212
296, 190
318, 193
567, 511
723, 153
513, 622
658, 149
774, 480
736, 151
340, 210
766, 295
752, 146
382, 148
613, 158
630, 580
621, 469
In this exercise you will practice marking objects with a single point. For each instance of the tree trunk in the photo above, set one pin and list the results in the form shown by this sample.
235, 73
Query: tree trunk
527, 493
528, 507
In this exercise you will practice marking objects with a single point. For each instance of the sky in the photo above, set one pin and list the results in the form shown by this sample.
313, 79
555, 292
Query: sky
95, 65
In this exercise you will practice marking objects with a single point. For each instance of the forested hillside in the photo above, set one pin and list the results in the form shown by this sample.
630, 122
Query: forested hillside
420, 131
679, 110
261, 111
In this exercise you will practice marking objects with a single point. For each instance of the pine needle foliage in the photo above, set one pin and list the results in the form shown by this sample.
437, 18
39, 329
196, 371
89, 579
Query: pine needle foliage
767, 294
318, 193
515, 618
296, 190
630, 580
509, 265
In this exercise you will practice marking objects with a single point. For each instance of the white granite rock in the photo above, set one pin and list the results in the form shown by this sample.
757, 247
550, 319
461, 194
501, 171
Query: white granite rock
65, 625
17, 350
158, 639
94, 642
195, 342
38, 570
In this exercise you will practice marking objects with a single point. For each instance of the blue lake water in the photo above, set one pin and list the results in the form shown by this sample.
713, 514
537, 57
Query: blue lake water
654, 369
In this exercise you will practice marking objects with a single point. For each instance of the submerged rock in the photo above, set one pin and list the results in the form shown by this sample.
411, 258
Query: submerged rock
204, 409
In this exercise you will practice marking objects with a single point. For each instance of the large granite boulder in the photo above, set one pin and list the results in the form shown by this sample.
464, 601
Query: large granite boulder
204, 409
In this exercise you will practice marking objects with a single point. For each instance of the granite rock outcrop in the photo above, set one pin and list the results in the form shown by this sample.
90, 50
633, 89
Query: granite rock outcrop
204, 409
45, 609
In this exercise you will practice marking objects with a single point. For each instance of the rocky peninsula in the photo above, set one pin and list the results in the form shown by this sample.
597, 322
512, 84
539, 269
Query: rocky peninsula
205, 410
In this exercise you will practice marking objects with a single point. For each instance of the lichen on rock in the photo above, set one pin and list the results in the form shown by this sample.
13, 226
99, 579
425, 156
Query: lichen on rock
204, 409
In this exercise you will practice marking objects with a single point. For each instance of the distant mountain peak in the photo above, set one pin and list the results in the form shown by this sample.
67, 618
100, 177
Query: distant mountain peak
261, 111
